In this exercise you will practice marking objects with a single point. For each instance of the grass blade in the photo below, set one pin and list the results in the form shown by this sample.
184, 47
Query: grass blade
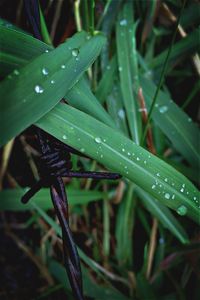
118, 153
57, 71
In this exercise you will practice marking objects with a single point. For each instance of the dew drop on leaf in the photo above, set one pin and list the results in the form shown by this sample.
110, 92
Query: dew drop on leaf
163, 109
98, 140
123, 22
52, 81
167, 195
182, 210
45, 71
16, 72
64, 137
75, 52
153, 187
120, 69
121, 113
63, 66
39, 89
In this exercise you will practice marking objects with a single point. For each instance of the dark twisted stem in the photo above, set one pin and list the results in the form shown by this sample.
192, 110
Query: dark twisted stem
56, 164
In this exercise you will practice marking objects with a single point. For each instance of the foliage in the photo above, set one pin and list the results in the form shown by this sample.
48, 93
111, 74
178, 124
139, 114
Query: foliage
143, 228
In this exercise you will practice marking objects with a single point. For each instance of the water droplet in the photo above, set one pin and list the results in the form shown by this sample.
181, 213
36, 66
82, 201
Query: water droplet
182, 210
158, 174
167, 195
98, 140
138, 158
161, 241
39, 89
189, 120
153, 187
195, 198
64, 137
145, 162
163, 109
123, 150
120, 69
123, 22
46, 51
182, 190
173, 197
45, 71
82, 150
108, 67
52, 81
16, 72
75, 52
129, 154
101, 155
63, 66
121, 113
166, 179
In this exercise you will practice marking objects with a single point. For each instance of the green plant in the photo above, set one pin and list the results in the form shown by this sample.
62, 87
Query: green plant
106, 120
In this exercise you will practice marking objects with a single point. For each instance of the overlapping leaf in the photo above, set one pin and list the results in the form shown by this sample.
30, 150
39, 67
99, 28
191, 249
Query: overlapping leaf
120, 154
25, 98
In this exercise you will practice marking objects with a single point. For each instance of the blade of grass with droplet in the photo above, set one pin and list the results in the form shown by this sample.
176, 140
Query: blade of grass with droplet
118, 153
163, 214
25, 98
18, 48
127, 66
185, 46
116, 109
11, 199
107, 26
35, 47
175, 124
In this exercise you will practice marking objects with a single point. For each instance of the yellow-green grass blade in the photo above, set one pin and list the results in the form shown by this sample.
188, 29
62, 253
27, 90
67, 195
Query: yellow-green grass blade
34, 89
175, 123
120, 154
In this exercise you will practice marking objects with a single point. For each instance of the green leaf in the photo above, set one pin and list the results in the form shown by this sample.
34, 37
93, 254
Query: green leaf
79, 96
118, 153
11, 199
25, 98
128, 71
163, 214
175, 124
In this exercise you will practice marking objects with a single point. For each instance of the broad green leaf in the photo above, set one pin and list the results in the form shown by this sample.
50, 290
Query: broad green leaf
79, 96
25, 98
127, 66
17, 49
175, 124
118, 153
11, 199
163, 214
